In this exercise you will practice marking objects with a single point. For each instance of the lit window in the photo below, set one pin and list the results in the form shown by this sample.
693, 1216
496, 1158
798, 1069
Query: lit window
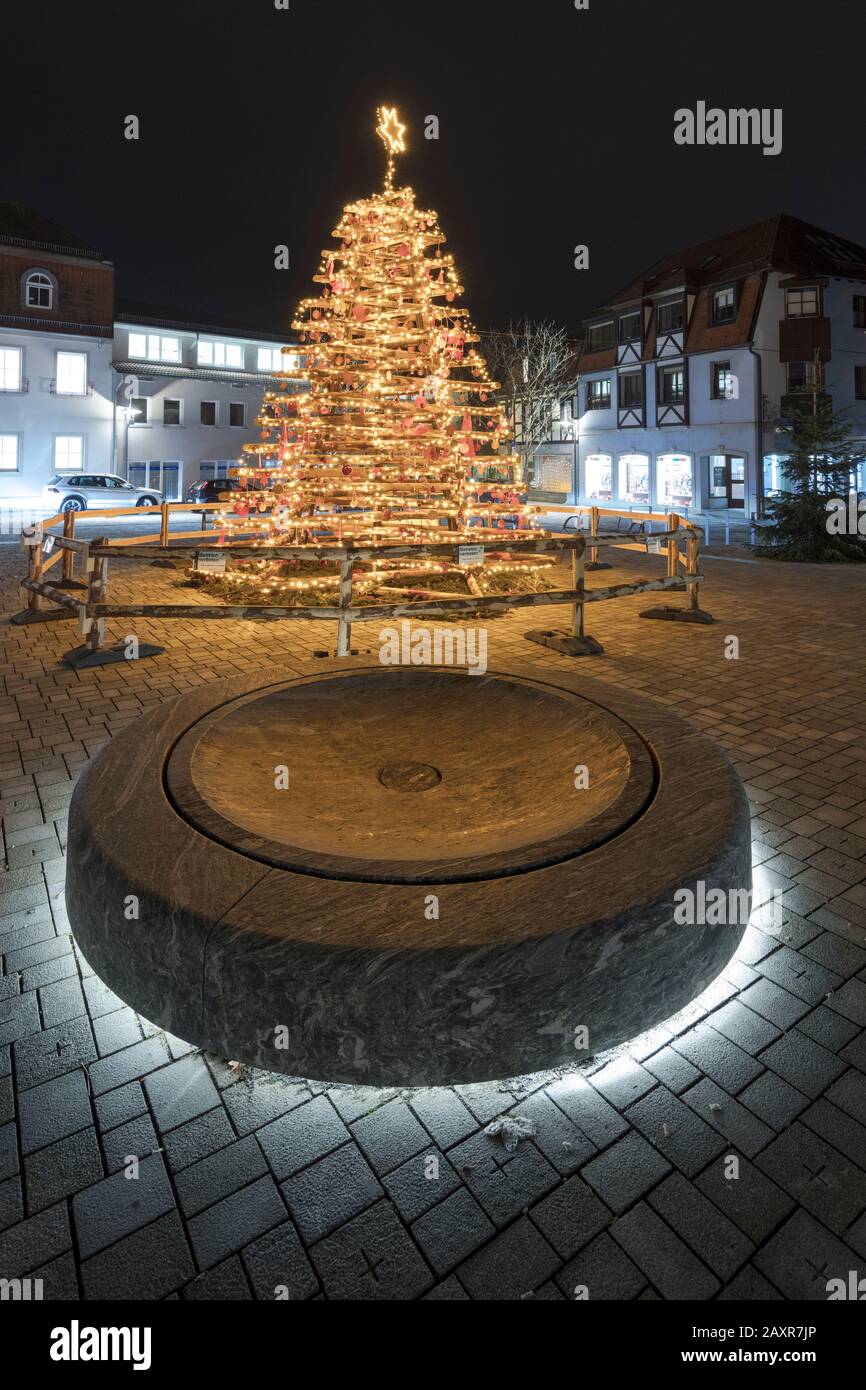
138, 344
234, 355
598, 394
722, 381
275, 360
8, 453
154, 348
10, 369
68, 452
672, 386
801, 304
205, 354
170, 350
220, 355
71, 374
598, 471
138, 410
39, 291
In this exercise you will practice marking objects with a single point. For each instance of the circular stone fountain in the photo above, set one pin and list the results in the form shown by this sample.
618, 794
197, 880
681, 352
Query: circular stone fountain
403, 875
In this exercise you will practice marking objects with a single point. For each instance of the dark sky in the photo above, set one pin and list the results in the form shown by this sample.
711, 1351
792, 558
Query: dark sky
556, 128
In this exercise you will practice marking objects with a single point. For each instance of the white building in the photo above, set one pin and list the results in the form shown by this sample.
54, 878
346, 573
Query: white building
56, 310
188, 396
161, 398
686, 371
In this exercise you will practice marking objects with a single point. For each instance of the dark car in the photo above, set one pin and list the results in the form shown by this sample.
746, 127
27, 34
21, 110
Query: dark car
213, 489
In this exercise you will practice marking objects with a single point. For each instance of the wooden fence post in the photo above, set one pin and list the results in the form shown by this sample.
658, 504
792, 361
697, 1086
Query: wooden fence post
163, 527
692, 568
344, 630
96, 589
68, 555
578, 569
35, 574
673, 546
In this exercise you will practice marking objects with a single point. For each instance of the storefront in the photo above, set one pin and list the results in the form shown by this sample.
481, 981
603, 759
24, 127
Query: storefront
634, 478
675, 487
598, 477
726, 474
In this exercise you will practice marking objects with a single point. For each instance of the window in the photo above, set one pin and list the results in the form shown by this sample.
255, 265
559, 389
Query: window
860, 382
634, 477
600, 335
860, 310
237, 414
675, 486
71, 374
629, 327
220, 354
800, 375
8, 453
275, 360
724, 305
138, 410
10, 369
672, 385
598, 394
170, 412
722, 381
669, 317
154, 348
68, 452
208, 412
598, 471
801, 304
630, 389
39, 290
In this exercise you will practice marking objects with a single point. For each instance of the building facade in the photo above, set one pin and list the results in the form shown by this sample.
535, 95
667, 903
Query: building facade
89, 387
687, 371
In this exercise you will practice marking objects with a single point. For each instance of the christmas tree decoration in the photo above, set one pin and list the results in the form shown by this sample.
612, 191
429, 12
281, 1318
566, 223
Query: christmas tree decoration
379, 433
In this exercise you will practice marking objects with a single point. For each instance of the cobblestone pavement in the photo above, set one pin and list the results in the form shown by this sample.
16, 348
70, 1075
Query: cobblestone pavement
250, 1183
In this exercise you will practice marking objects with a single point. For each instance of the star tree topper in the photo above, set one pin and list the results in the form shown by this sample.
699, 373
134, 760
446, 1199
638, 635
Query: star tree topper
392, 134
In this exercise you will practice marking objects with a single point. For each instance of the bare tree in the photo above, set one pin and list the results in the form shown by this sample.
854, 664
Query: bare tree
536, 365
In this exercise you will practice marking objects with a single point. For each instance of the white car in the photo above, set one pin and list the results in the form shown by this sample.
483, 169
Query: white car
83, 490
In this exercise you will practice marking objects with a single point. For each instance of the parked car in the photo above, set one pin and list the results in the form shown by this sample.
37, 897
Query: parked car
85, 490
216, 489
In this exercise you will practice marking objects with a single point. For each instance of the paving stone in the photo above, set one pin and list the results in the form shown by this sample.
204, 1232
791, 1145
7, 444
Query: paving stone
600, 1122
444, 1116
59, 1279
178, 1092
118, 1106
561, 1142
849, 1094
742, 1026
805, 1064
61, 1001
604, 1271
821, 1179
113, 1208
850, 1001
718, 1058
34, 1242
774, 1004
371, 1257
836, 954
839, 1129
389, 1136
513, 1265
61, 1169
672, 1070
351, 1102
738, 1125
798, 975
854, 1051
115, 1031
224, 1172
773, 1100
626, 1171
224, 1283
675, 1130
452, 1230
305, 1134
53, 1110
485, 1099
197, 1139
856, 1236
19, 1017
11, 1203
131, 1064
228, 1225
420, 1182
333, 1190
570, 1217
258, 1100
750, 1200
669, 1264
277, 1263
715, 1239
136, 1139
800, 1259
504, 1183
749, 1287
100, 999
449, 1291
147, 1265
622, 1082
829, 1029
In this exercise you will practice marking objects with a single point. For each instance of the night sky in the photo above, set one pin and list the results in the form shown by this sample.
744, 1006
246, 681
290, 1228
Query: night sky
556, 128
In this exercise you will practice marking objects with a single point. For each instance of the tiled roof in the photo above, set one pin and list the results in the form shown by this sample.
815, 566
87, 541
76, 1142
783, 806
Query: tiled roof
778, 243
21, 226
177, 372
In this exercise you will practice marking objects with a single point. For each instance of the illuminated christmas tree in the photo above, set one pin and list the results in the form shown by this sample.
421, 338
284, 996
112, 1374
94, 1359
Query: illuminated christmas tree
371, 438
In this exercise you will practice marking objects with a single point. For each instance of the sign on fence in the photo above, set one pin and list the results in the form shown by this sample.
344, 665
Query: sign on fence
655, 545
210, 562
470, 554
